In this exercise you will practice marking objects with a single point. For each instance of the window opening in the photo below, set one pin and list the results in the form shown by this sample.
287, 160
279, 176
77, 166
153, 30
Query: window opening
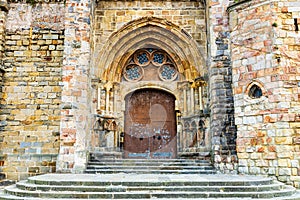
296, 24
255, 92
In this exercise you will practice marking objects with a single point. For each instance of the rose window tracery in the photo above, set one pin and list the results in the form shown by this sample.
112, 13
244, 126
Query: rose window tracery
142, 58
167, 72
134, 72
145, 59
158, 58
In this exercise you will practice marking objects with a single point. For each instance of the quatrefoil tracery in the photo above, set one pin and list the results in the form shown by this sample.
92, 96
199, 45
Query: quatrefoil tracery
134, 70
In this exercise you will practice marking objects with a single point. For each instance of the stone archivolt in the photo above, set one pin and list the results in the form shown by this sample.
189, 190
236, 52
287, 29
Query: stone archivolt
145, 32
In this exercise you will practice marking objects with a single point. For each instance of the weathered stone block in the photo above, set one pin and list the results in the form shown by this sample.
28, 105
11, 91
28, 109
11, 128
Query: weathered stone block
284, 171
19, 53
243, 155
283, 162
34, 169
50, 37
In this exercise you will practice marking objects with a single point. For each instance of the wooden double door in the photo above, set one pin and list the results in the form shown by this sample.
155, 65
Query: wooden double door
150, 125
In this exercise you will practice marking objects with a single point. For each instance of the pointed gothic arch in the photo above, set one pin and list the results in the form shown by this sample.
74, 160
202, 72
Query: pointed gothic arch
145, 32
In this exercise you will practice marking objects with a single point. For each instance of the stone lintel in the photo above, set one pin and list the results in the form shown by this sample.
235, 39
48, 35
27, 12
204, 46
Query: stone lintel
236, 4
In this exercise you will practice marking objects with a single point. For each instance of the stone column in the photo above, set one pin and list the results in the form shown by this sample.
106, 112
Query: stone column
185, 111
108, 86
107, 100
75, 92
198, 85
192, 101
200, 98
99, 98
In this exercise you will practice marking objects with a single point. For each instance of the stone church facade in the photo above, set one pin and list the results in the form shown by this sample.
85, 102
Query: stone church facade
213, 79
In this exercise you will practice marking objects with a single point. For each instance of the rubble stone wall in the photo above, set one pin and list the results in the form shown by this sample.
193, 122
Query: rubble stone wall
265, 54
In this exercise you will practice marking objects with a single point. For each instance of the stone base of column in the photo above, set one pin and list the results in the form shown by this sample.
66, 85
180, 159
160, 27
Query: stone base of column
80, 162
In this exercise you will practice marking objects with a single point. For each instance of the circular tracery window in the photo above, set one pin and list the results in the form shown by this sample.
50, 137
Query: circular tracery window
159, 58
134, 70
142, 58
167, 72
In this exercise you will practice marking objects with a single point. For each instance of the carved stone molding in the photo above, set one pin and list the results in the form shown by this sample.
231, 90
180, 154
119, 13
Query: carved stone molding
33, 2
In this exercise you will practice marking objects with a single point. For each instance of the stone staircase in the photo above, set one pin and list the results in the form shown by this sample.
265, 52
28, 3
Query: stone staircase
106, 164
148, 186
110, 177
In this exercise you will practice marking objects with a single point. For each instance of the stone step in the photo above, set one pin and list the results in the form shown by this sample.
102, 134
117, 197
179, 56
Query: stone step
92, 163
24, 185
194, 155
107, 155
146, 186
155, 166
141, 171
147, 194
148, 180
149, 160
5, 182
151, 167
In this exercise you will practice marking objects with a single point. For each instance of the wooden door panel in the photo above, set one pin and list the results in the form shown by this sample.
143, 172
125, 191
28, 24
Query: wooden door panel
150, 126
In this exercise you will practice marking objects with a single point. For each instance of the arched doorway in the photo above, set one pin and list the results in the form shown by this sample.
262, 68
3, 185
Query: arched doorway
150, 125
150, 53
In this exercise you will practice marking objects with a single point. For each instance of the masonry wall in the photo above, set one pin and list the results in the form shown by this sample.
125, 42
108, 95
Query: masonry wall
223, 130
76, 110
265, 52
34, 37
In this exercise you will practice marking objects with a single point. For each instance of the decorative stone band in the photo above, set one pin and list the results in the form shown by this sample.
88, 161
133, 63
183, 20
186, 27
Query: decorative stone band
35, 1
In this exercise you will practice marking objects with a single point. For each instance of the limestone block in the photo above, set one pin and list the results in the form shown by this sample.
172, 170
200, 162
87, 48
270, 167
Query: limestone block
9, 169
249, 120
270, 155
271, 171
283, 162
262, 163
294, 172
12, 176
50, 36
243, 163
243, 155
18, 53
284, 140
271, 133
285, 171
254, 170
243, 170
295, 178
